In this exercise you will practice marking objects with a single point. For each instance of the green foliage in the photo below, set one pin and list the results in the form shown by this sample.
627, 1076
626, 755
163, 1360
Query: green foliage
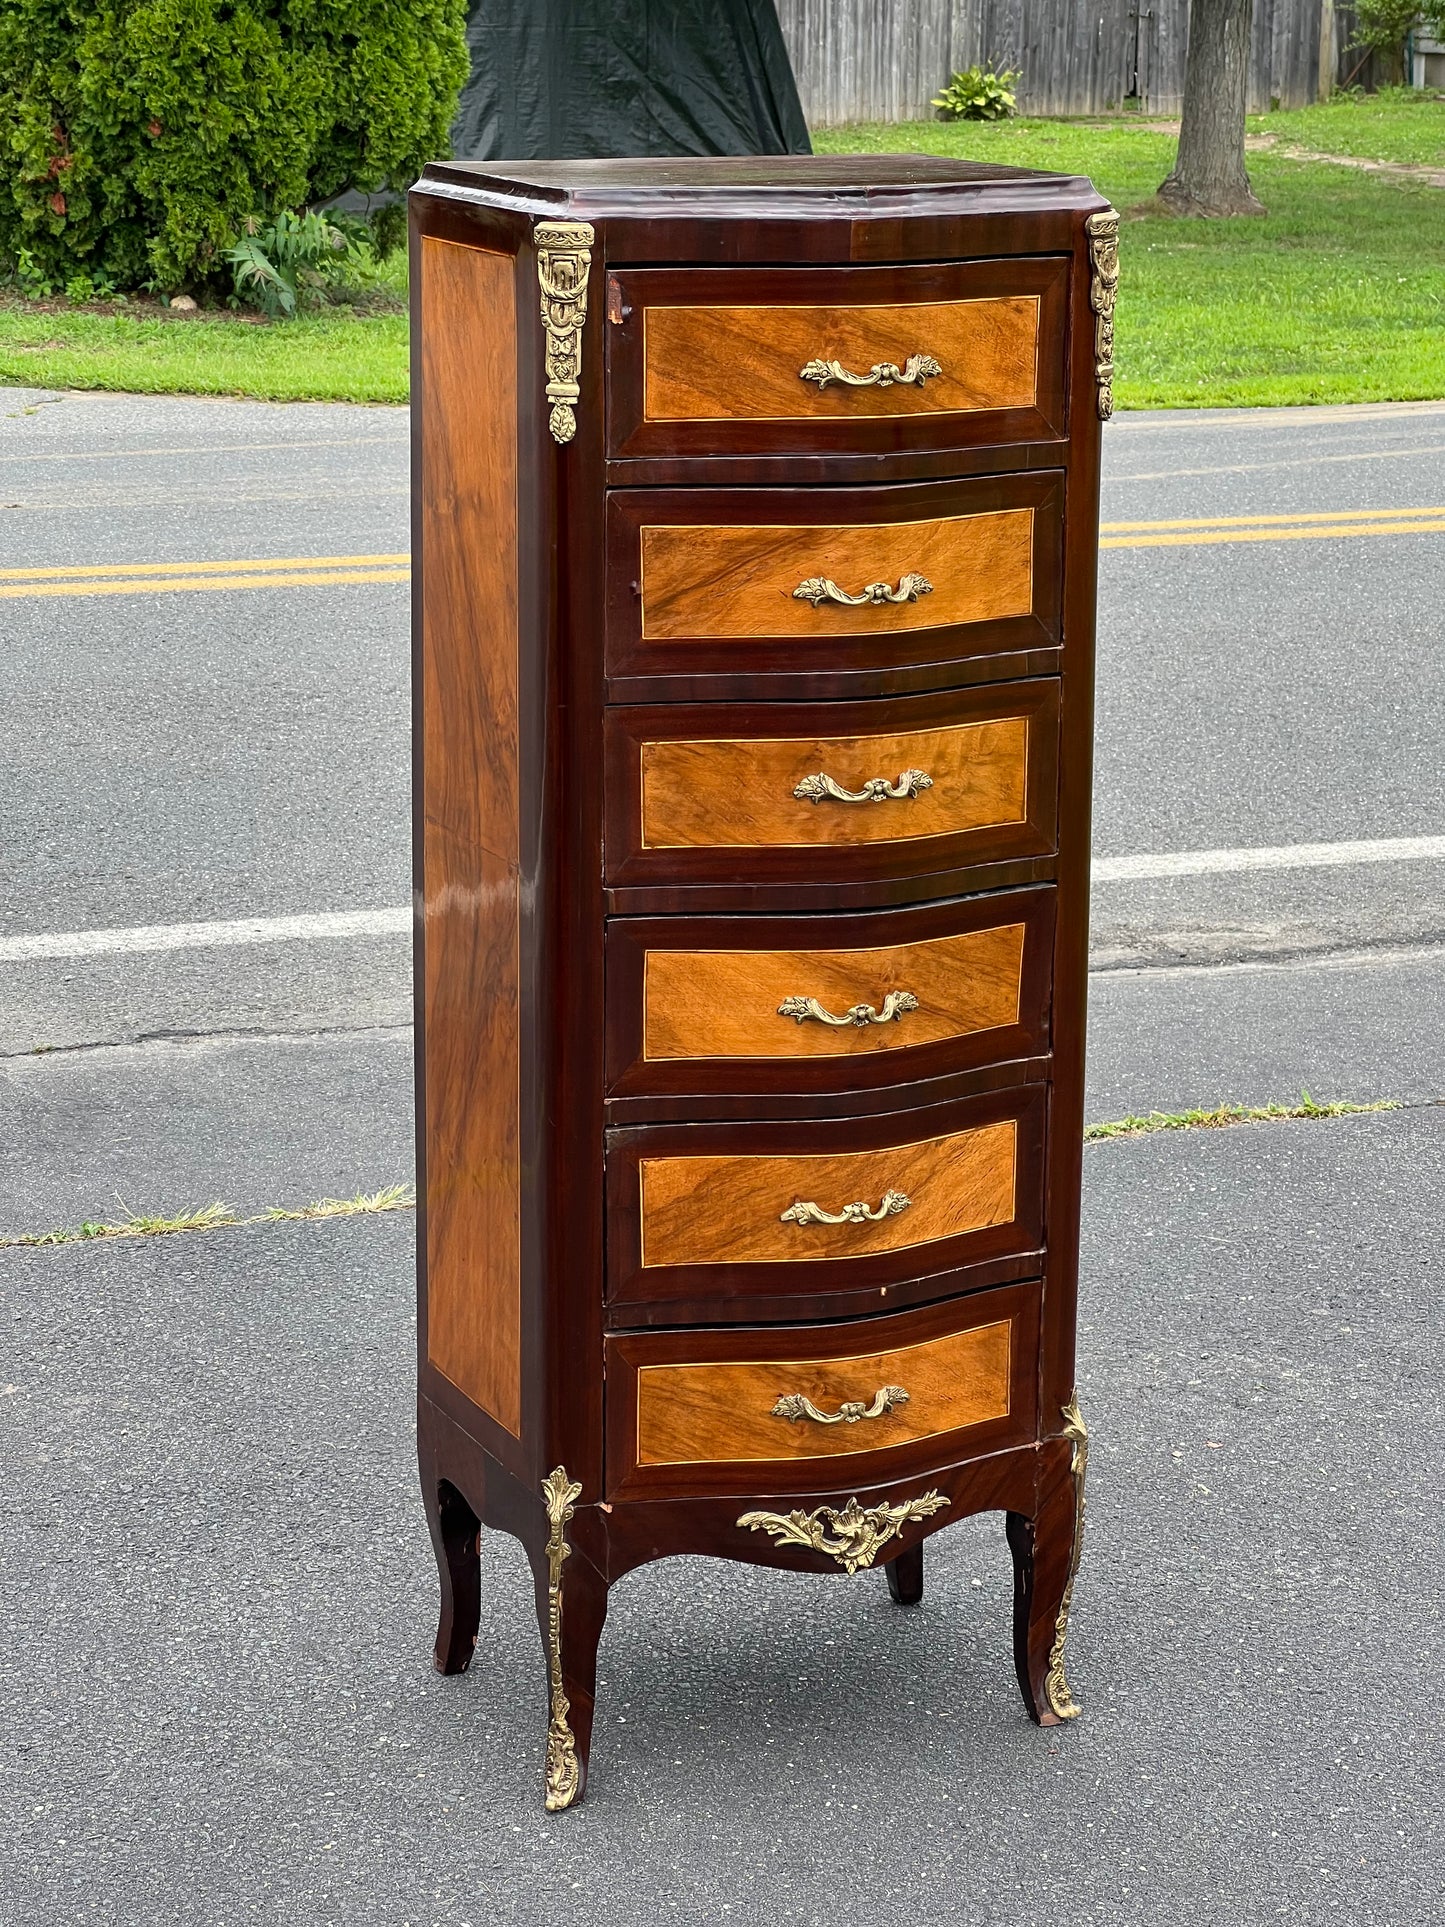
978, 94
137, 137
279, 264
1381, 25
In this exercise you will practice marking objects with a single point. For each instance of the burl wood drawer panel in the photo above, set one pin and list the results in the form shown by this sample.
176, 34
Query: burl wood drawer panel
739, 1209
718, 1410
826, 1003
797, 360
831, 792
800, 592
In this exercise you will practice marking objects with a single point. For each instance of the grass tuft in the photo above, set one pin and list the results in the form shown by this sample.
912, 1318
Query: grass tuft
1225, 1114
212, 1217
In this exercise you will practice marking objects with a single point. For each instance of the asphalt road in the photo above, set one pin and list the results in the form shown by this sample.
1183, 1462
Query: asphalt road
214, 1567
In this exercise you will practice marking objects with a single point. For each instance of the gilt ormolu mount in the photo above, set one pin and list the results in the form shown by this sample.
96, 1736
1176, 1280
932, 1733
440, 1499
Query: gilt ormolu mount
756, 511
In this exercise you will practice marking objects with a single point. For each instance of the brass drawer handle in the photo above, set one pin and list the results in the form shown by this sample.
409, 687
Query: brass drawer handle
794, 1406
895, 1004
813, 789
859, 1212
819, 589
915, 371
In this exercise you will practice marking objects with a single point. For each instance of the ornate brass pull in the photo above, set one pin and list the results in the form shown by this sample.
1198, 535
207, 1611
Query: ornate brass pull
853, 1535
794, 1406
859, 1212
915, 371
895, 1004
819, 589
812, 789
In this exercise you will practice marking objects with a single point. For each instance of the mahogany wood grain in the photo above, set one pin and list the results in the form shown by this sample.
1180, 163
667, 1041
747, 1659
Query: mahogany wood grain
693, 1003
716, 363
729, 1003
590, 688
694, 1211
693, 573
692, 786
696, 1407
687, 1414
740, 582
727, 1210
470, 828
710, 361
743, 793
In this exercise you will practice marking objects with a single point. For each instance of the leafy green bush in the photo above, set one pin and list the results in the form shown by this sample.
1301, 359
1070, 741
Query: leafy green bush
979, 94
138, 136
276, 264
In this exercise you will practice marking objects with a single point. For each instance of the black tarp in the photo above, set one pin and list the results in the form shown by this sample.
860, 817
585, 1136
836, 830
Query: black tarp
611, 79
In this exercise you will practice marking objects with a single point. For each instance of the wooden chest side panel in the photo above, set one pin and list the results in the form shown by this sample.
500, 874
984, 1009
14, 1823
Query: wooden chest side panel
470, 827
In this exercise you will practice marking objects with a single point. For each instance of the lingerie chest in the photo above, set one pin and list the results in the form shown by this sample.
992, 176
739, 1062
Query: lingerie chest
755, 524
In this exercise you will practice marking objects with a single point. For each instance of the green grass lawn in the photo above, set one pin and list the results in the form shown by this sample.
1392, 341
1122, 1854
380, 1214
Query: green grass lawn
337, 355
1338, 295
1397, 124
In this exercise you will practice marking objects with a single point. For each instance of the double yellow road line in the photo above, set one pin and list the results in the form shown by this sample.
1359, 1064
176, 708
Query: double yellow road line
167, 578
336, 571
1332, 523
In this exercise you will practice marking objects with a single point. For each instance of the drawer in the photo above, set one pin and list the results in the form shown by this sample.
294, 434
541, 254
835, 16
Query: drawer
787, 592
736, 361
835, 792
743, 1211
767, 1409
814, 1004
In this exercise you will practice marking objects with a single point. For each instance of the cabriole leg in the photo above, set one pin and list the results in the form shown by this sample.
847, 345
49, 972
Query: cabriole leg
905, 1576
455, 1533
1045, 1552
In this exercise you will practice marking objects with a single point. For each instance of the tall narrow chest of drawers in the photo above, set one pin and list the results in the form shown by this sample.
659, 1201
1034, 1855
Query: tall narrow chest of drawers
755, 526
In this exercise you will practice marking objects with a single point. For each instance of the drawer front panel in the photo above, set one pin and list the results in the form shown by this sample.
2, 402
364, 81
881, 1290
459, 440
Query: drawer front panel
711, 363
734, 1210
768, 1405
710, 1004
745, 582
934, 574
774, 1206
746, 794
727, 360
973, 779
744, 1004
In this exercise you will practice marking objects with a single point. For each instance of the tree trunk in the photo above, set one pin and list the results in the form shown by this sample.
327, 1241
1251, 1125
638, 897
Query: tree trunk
1209, 176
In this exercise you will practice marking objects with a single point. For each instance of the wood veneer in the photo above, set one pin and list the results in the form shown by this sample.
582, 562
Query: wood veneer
471, 835
716, 363
741, 582
710, 361
541, 1164
694, 1003
698, 1003
690, 1414
728, 1210
690, 786
692, 574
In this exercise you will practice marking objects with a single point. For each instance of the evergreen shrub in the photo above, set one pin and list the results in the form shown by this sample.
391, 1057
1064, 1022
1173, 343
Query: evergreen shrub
137, 137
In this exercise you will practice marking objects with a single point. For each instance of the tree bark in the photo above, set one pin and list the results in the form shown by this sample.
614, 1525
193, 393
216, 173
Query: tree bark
1209, 177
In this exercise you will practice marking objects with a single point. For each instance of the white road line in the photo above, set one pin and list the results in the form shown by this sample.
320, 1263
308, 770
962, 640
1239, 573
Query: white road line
1287, 856
57, 944
54, 944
